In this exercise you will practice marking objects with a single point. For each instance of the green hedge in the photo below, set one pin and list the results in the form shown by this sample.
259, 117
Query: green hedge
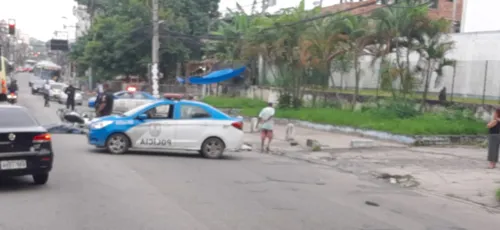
426, 124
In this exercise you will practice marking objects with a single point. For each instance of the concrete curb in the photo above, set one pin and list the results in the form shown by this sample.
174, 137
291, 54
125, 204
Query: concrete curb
417, 140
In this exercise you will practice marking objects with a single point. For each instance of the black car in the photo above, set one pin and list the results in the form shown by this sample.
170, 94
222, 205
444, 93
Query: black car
25, 146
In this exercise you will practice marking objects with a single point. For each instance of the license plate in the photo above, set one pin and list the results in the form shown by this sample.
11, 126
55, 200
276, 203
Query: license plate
9, 165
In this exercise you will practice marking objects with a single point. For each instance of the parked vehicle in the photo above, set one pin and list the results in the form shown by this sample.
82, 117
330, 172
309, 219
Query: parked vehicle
78, 97
56, 89
126, 100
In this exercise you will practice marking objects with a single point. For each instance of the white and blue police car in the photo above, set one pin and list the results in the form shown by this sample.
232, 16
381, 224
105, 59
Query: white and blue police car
168, 126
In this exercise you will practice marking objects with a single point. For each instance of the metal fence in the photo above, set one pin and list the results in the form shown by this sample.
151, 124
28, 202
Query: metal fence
467, 81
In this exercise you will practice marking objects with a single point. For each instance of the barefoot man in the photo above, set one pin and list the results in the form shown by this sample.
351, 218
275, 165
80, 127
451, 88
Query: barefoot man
266, 129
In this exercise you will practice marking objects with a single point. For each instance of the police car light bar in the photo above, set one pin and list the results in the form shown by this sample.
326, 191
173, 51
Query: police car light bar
131, 89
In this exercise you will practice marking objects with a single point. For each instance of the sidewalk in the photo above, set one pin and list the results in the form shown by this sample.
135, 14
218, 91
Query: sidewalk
327, 140
453, 172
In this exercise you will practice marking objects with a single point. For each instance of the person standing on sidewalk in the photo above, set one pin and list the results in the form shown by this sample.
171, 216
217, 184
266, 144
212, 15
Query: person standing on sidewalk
494, 139
266, 116
106, 104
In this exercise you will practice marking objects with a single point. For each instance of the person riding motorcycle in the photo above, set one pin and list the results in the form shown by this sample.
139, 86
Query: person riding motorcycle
13, 87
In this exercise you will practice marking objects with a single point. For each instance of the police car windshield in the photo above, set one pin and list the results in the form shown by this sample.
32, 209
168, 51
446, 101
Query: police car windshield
135, 110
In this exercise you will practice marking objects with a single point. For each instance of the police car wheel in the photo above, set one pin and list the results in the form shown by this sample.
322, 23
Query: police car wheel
212, 148
117, 143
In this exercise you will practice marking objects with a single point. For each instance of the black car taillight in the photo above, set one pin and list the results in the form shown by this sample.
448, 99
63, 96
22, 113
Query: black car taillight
42, 138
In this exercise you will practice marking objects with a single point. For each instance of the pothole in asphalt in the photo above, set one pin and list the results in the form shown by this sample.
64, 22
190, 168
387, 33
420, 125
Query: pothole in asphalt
407, 181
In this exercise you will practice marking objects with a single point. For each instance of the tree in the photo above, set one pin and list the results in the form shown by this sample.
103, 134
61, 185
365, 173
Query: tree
396, 29
434, 47
119, 39
322, 44
281, 44
358, 35
116, 45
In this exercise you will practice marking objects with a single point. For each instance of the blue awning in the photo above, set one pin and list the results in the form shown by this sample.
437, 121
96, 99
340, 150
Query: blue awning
217, 76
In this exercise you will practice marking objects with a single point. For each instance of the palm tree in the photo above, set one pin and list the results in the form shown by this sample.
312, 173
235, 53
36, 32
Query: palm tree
434, 46
280, 45
320, 43
396, 30
357, 35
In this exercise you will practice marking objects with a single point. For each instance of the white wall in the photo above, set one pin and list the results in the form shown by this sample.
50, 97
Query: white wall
480, 15
472, 51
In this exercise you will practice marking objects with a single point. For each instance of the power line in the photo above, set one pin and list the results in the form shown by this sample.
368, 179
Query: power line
196, 39
348, 10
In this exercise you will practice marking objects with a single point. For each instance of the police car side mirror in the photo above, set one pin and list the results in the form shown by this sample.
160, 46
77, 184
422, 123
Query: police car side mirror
142, 117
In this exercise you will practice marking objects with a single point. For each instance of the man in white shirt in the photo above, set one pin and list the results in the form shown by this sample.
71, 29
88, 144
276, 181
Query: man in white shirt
266, 116
46, 92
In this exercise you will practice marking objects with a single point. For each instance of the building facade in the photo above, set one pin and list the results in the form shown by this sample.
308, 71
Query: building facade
447, 9
83, 23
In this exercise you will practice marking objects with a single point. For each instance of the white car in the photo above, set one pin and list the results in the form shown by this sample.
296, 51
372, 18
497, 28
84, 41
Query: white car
126, 100
37, 85
56, 89
78, 97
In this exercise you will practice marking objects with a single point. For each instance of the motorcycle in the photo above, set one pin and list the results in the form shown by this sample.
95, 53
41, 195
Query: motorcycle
12, 98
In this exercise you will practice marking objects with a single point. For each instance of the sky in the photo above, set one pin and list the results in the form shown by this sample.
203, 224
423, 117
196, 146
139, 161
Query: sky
40, 18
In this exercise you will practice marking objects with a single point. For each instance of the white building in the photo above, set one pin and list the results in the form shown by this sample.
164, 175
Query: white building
480, 15
477, 69
83, 23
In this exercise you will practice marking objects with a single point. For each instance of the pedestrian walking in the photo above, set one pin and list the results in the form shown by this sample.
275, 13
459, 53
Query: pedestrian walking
266, 119
46, 93
70, 101
106, 103
494, 139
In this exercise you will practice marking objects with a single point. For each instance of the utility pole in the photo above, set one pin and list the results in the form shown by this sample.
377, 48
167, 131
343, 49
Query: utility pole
265, 5
91, 17
454, 17
155, 50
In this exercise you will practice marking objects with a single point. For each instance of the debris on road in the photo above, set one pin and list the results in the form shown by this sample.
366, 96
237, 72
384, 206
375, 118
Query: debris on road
371, 203
406, 181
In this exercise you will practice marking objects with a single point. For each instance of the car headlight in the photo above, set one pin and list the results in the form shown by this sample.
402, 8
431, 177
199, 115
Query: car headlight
100, 124
10, 96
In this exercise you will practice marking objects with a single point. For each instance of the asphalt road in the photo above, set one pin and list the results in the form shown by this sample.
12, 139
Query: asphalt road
92, 190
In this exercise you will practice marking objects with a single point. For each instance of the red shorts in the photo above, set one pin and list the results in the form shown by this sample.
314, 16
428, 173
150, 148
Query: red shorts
266, 133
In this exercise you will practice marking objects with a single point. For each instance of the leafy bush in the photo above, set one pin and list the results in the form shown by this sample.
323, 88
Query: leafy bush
287, 100
234, 102
458, 113
400, 108
394, 117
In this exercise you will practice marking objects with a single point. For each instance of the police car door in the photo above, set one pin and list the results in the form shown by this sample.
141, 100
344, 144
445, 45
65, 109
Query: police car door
192, 126
120, 102
156, 132
138, 99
